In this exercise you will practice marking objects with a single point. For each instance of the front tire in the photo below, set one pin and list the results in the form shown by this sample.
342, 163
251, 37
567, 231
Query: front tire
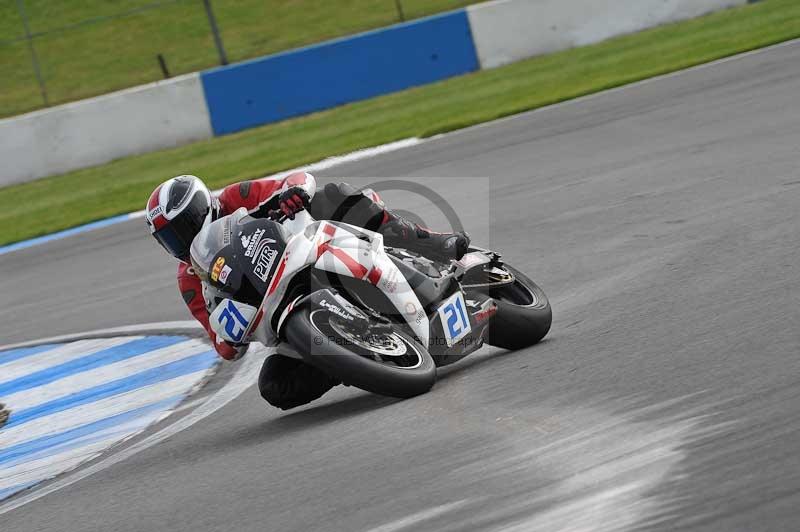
400, 367
523, 314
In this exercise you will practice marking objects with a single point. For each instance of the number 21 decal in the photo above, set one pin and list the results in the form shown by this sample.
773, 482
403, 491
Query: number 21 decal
230, 320
454, 318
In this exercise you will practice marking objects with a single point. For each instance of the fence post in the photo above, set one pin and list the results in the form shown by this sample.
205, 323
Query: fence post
163, 64
400, 13
212, 21
34, 57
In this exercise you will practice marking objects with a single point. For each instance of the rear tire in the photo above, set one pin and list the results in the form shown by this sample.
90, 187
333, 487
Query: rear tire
323, 344
523, 313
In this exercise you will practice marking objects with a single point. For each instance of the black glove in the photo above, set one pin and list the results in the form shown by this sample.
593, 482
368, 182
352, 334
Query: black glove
292, 201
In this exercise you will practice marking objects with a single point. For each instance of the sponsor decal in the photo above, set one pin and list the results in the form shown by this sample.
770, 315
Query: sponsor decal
389, 281
352, 310
155, 212
217, 269
485, 314
333, 309
258, 250
263, 264
223, 275
246, 240
411, 308
253, 244
226, 233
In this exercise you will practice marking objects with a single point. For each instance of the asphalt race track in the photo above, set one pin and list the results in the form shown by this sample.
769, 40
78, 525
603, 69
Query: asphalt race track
663, 220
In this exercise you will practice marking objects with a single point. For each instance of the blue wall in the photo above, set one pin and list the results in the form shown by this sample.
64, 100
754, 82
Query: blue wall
318, 77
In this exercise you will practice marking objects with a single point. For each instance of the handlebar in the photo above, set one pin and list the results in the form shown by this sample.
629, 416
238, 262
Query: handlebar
276, 215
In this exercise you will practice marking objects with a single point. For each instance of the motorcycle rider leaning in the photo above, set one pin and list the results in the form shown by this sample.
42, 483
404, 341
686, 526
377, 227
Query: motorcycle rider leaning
181, 206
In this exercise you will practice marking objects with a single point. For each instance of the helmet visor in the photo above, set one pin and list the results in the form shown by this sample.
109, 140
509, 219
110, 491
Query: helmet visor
176, 237
175, 242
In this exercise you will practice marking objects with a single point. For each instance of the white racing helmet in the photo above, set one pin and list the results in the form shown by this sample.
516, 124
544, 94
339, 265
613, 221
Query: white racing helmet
177, 210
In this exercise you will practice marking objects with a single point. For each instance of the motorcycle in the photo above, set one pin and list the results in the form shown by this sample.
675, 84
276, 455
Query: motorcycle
375, 317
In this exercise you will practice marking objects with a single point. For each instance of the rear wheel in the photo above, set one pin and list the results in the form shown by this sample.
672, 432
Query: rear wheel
380, 360
523, 313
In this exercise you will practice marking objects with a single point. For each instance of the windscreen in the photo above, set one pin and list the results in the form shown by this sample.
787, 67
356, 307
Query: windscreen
209, 242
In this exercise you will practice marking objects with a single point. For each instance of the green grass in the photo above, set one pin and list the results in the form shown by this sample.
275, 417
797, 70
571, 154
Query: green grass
67, 200
97, 57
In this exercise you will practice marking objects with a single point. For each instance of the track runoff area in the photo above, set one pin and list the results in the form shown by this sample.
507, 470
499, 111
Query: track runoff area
659, 217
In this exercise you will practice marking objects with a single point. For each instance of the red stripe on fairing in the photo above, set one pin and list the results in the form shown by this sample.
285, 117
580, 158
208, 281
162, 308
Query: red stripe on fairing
159, 222
358, 270
374, 275
277, 278
152, 203
257, 320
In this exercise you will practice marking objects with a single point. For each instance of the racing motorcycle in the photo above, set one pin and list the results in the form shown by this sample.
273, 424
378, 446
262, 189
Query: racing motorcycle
375, 317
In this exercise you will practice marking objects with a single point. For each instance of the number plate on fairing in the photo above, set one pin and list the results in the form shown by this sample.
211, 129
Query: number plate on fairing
455, 322
231, 319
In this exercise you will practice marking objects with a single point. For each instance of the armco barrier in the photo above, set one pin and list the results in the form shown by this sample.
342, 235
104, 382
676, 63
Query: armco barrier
97, 130
318, 77
509, 30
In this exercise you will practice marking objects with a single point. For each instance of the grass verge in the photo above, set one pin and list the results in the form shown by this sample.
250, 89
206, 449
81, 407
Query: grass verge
83, 52
63, 201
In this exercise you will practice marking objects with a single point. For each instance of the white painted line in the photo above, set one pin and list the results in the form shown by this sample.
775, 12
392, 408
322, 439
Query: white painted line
97, 410
58, 355
180, 328
424, 515
47, 467
189, 405
330, 162
245, 376
104, 374
83, 402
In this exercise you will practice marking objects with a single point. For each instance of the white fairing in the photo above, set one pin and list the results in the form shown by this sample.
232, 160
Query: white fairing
336, 247
379, 270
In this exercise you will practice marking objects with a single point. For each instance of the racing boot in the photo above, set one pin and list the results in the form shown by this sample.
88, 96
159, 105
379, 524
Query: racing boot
399, 232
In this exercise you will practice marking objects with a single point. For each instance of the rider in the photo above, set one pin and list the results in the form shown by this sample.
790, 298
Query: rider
181, 206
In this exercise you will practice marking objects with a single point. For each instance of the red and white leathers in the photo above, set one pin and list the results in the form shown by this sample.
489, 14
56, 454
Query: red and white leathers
252, 195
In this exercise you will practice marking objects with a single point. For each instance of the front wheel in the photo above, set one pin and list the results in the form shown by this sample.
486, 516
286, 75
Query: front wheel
387, 363
523, 313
